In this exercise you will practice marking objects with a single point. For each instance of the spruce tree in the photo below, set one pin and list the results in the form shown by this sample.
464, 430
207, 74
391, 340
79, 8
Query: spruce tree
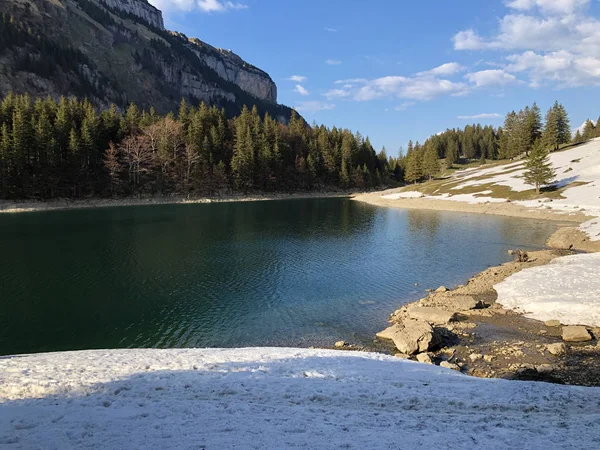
550, 135
538, 169
414, 169
589, 130
431, 164
563, 125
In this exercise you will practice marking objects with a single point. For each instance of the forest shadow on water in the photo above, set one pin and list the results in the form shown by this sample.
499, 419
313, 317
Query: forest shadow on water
283, 273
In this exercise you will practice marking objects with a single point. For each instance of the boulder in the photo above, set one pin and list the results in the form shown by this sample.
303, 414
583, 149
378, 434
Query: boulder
475, 357
390, 332
340, 344
442, 289
449, 365
545, 368
424, 358
434, 316
576, 334
557, 349
552, 323
412, 336
464, 303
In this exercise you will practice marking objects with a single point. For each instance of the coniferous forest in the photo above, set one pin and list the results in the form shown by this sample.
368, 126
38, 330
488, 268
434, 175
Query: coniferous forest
68, 149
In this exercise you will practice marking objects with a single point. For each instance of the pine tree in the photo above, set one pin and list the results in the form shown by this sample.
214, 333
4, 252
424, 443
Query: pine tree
538, 169
452, 151
563, 125
589, 130
507, 149
550, 135
431, 164
577, 139
414, 169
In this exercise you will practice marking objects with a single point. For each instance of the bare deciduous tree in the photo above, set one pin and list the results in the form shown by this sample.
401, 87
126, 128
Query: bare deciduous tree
140, 158
113, 165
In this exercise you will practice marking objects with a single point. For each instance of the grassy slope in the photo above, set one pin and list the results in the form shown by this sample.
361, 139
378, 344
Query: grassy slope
451, 181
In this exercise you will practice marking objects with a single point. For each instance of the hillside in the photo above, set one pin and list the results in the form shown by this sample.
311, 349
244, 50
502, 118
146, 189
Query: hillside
576, 190
119, 52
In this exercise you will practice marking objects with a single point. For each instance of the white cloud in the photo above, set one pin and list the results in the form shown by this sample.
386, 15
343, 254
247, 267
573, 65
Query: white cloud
202, 5
404, 106
562, 68
352, 81
331, 30
338, 93
422, 86
443, 70
549, 6
297, 78
492, 77
333, 62
313, 106
301, 90
553, 42
415, 88
480, 116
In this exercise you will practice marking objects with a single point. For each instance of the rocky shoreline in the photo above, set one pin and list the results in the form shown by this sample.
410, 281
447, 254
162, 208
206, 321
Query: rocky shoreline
466, 330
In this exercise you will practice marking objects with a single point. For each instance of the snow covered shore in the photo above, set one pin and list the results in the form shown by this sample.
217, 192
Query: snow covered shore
566, 290
278, 398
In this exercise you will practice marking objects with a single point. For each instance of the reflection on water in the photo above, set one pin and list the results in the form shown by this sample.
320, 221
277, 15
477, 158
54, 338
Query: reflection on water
297, 273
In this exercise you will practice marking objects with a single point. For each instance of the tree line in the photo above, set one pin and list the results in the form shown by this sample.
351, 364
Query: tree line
68, 149
518, 136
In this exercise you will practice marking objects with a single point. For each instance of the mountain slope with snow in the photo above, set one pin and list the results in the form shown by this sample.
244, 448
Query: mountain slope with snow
278, 398
576, 189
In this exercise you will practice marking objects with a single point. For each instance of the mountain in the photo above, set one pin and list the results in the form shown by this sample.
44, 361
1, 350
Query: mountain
118, 51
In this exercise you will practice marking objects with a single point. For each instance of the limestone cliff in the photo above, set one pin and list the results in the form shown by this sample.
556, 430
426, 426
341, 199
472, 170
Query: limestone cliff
138, 8
232, 68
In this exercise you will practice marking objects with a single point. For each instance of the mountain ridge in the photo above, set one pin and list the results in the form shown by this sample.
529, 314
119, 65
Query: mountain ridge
124, 54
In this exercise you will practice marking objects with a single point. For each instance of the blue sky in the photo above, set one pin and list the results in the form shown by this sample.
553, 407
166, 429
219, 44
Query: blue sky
397, 70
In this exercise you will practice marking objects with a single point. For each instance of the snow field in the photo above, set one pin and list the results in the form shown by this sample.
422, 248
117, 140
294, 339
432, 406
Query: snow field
278, 398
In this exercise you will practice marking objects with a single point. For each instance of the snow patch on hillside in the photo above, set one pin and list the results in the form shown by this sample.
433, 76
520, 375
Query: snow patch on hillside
278, 398
577, 170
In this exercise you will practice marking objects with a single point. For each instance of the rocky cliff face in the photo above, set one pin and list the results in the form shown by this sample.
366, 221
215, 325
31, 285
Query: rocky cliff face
139, 8
225, 63
234, 69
